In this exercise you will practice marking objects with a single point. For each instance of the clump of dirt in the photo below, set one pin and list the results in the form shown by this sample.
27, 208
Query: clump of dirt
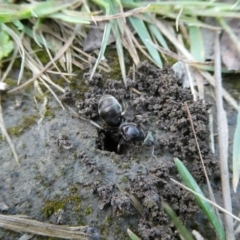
90, 163
64, 142
155, 99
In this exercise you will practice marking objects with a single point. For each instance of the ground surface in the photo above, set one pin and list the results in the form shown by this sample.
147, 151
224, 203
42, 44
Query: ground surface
65, 162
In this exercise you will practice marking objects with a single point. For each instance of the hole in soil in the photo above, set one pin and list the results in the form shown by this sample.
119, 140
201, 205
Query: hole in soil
108, 141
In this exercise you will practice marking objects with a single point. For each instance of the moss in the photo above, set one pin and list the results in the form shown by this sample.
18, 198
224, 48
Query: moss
75, 155
52, 206
49, 113
88, 210
108, 220
25, 124
112, 224
124, 179
105, 227
126, 165
42, 55
11, 82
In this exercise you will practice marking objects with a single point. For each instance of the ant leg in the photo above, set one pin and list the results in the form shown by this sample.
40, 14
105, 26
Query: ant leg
141, 125
103, 128
119, 145
96, 125
153, 155
149, 139
125, 107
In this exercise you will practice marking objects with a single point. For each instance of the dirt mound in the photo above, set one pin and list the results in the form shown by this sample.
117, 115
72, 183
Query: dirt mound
155, 99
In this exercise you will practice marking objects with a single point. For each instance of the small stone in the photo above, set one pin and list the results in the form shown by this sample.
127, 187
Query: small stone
3, 206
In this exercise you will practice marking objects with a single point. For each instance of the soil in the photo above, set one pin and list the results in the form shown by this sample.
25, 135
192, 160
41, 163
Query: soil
71, 172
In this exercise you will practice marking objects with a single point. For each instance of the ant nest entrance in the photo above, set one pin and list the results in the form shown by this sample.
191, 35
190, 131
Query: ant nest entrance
108, 141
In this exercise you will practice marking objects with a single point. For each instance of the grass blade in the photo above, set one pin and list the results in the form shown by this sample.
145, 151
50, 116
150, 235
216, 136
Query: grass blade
132, 235
17, 37
206, 207
40, 9
143, 33
71, 19
117, 28
12, 12
106, 35
196, 41
180, 227
236, 155
121, 55
6, 43
158, 35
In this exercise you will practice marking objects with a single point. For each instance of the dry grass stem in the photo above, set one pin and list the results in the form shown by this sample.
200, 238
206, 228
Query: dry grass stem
197, 235
207, 200
200, 155
200, 84
184, 32
223, 141
212, 142
134, 201
18, 40
22, 224
178, 18
168, 33
128, 43
5, 135
35, 65
129, 13
191, 82
62, 73
59, 54
141, 49
50, 56
179, 57
78, 52
225, 94
136, 91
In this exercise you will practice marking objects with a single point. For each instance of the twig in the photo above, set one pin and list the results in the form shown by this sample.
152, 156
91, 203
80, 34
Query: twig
200, 155
223, 141
22, 224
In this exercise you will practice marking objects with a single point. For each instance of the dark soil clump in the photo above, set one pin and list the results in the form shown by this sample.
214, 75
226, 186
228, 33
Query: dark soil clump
156, 100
